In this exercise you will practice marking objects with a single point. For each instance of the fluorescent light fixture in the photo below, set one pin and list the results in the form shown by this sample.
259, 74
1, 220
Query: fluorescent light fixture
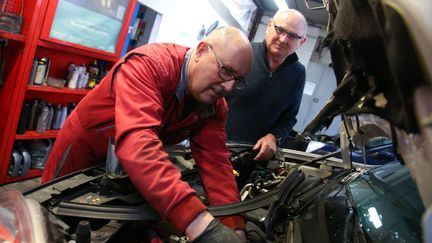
281, 4
374, 217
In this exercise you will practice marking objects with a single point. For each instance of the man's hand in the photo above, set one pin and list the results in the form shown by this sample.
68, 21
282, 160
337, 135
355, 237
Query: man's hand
218, 233
266, 147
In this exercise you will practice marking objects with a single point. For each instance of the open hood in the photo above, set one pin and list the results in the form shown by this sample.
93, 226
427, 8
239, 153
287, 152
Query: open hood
383, 65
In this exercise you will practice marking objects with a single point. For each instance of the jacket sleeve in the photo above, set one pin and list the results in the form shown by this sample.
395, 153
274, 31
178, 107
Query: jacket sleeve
211, 155
139, 108
287, 119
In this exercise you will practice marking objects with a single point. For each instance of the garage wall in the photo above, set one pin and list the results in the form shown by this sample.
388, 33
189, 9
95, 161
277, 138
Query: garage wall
181, 21
320, 81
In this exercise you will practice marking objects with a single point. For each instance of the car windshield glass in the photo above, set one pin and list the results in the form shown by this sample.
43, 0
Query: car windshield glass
388, 204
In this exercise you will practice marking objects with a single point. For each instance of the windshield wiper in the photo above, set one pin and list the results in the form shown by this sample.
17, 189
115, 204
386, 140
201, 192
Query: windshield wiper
350, 220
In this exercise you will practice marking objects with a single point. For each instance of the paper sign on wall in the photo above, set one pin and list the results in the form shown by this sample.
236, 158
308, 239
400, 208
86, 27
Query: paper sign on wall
309, 88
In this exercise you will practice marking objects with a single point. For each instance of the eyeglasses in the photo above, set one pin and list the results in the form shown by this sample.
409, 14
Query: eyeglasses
282, 32
226, 74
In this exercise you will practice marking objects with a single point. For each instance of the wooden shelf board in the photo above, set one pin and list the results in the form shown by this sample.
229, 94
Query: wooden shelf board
35, 135
12, 36
49, 89
73, 50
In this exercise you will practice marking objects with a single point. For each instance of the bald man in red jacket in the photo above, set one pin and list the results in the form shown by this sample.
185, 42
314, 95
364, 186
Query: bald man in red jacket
157, 95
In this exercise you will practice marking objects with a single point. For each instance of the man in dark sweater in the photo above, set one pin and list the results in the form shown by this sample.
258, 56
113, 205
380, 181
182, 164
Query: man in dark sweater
265, 111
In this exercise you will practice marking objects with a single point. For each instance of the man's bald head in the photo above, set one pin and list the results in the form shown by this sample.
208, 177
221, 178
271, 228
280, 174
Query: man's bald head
221, 59
292, 16
285, 33
231, 38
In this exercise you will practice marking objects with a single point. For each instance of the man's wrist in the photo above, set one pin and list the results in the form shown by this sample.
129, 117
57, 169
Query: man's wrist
198, 225
277, 138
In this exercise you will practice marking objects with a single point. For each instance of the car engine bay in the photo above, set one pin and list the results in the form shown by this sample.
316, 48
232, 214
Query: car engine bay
274, 194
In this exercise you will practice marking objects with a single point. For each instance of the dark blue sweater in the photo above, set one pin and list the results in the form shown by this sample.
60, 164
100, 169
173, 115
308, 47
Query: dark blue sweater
270, 102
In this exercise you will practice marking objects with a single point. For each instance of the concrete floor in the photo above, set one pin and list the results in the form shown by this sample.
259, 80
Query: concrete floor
21, 186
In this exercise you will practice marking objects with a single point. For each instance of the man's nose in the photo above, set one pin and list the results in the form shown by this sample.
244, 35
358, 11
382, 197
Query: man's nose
284, 38
228, 86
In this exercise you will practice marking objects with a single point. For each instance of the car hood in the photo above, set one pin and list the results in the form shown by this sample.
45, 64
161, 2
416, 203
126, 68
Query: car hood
383, 66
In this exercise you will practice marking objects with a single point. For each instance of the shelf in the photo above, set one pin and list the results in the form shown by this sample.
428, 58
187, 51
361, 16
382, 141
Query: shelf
73, 50
30, 174
34, 42
12, 36
65, 90
35, 135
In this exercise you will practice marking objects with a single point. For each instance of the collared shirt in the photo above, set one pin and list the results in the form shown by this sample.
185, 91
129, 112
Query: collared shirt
181, 87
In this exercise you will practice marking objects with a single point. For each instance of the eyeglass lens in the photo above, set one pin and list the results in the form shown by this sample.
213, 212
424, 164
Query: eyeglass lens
226, 74
282, 32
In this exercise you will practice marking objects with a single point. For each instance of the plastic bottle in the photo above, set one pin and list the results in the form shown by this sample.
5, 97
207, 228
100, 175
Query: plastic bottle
40, 71
42, 120
63, 116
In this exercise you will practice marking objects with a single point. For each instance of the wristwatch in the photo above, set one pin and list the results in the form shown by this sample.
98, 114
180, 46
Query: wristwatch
278, 139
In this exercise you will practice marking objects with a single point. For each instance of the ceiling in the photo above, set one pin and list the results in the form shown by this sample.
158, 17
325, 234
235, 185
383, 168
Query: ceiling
314, 17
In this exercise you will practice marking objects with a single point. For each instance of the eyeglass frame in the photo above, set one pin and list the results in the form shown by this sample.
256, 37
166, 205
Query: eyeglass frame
281, 31
239, 83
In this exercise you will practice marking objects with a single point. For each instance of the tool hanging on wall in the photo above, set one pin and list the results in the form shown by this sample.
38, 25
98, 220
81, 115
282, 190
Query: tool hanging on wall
3, 43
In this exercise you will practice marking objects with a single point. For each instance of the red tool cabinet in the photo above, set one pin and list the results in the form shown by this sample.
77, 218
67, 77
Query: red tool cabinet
36, 41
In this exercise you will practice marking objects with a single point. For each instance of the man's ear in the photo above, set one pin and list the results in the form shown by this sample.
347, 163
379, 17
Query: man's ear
302, 41
201, 48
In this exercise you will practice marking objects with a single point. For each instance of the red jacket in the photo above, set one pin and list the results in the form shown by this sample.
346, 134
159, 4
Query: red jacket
140, 102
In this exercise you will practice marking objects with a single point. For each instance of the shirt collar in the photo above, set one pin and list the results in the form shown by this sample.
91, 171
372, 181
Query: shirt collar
205, 110
181, 86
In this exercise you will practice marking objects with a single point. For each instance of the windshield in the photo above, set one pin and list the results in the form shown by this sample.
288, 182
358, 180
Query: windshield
388, 205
